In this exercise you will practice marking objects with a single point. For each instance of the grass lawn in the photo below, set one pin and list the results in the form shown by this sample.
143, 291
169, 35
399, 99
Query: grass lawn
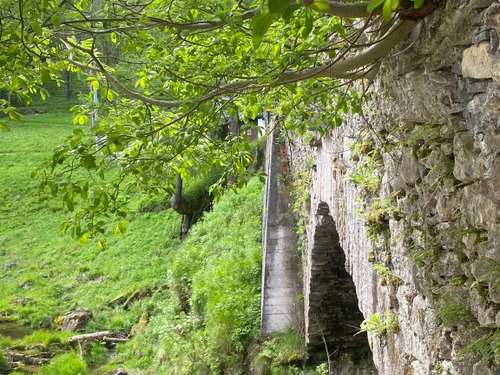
45, 274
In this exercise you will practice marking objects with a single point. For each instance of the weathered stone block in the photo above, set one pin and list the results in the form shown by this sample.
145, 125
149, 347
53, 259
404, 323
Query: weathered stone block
492, 17
484, 314
468, 165
482, 35
409, 168
478, 119
474, 87
478, 210
477, 61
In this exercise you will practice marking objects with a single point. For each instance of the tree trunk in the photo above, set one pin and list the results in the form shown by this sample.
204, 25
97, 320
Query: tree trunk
67, 89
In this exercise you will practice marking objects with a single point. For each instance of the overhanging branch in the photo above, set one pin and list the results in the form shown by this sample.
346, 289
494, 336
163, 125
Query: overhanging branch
354, 67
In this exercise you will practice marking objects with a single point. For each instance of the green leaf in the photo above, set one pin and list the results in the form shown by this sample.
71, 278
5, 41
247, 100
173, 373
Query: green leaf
261, 24
278, 7
68, 199
121, 227
387, 10
101, 244
37, 28
340, 29
83, 239
321, 6
44, 94
374, 4
418, 3
4, 127
290, 9
95, 85
56, 20
394, 4
3, 60
308, 26
16, 116
107, 94
89, 161
45, 76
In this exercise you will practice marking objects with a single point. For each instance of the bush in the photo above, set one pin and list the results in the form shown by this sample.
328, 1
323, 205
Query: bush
4, 365
214, 279
65, 364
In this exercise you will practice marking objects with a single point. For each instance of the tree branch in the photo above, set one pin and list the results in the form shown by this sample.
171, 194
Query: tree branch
340, 69
341, 9
350, 68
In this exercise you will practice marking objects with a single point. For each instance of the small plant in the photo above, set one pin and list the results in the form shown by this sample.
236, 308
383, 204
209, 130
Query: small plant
487, 346
364, 146
387, 275
366, 177
279, 352
452, 312
380, 325
421, 134
377, 216
4, 365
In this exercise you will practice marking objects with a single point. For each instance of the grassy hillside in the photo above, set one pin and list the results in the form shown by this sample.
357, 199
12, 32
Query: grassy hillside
198, 309
45, 274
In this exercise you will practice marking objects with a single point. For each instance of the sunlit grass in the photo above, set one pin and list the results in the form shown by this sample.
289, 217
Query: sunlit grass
44, 274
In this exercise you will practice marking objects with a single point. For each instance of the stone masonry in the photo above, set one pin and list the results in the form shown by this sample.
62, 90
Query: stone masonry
413, 190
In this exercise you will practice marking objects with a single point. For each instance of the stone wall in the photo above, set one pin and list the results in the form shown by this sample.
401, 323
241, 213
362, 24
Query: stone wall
413, 188
281, 284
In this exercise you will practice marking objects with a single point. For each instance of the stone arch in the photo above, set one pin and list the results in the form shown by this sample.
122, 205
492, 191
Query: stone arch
332, 316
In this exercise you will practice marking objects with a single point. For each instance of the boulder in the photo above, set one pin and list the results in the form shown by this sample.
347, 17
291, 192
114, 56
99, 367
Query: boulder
76, 320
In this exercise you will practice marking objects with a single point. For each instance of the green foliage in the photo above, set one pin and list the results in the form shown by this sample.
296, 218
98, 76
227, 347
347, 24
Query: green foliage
4, 364
65, 364
363, 146
452, 312
48, 338
377, 216
168, 87
279, 353
387, 275
366, 175
487, 346
98, 355
214, 276
380, 325
422, 134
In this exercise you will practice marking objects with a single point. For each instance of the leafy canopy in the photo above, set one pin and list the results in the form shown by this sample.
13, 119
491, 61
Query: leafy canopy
172, 75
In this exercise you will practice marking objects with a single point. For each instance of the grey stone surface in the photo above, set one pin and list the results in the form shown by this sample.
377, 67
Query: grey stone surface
477, 61
440, 236
281, 284
76, 320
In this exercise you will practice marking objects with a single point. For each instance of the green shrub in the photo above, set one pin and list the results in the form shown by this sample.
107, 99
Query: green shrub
278, 354
214, 310
380, 325
4, 365
98, 355
47, 338
452, 312
65, 364
487, 347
